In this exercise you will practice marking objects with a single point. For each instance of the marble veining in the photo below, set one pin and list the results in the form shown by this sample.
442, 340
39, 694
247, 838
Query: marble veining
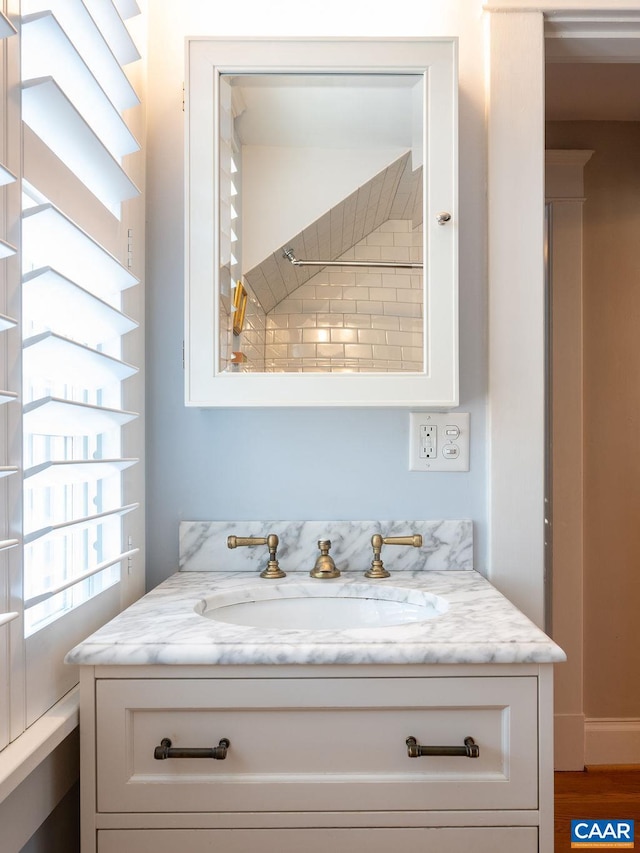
479, 626
447, 545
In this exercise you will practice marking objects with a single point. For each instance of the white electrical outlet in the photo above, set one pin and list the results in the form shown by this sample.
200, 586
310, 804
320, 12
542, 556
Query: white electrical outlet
439, 441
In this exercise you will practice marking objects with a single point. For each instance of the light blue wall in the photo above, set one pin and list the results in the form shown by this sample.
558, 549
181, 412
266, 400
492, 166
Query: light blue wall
295, 463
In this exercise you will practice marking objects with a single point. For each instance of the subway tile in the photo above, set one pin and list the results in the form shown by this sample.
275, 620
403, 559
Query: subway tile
372, 336
392, 353
368, 279
410, 324
330, 350
288, 306
357, 351
403, 239
394, 253
343, 305
402, 309
306, 291
406, 339
330, 320
329, 291
302, 350
395, 225
276, 351
368, 307
318, 279
355, 292
368, 253
313, 306
315, 336
385, 294
288, 336
344, 336
380, 238
379, 321
412, 354
343, 278
390, 279
405, 295
357, 321
277, 321
302, 321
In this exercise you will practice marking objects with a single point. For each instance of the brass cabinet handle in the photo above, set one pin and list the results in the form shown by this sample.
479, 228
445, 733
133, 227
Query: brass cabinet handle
165, 750
469, 750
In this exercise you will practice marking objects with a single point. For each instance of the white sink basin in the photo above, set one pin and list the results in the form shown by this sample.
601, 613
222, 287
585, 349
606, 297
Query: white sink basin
321, 606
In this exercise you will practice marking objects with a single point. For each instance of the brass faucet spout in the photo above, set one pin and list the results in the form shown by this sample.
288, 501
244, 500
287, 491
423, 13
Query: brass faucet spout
325, 566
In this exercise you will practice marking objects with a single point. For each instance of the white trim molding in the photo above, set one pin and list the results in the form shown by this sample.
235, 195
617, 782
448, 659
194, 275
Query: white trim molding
583, 30
516, 309
32, 747
610, 9
565, 193
612, 741
592, 36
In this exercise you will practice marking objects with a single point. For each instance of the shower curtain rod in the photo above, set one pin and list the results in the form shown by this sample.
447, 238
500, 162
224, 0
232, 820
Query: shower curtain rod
298, 262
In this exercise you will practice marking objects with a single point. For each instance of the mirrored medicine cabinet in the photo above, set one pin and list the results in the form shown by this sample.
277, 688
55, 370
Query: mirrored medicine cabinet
321, 222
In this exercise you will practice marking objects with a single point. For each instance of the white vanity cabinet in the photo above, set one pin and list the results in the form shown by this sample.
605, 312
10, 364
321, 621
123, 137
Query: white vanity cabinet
317, 759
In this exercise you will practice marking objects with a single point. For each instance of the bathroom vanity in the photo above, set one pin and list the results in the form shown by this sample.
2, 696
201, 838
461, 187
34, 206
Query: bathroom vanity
199, 734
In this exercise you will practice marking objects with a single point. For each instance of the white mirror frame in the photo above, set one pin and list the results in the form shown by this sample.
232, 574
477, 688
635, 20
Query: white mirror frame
206, 385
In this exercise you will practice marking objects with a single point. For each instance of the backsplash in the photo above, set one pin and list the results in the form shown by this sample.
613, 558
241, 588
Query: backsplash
447, 545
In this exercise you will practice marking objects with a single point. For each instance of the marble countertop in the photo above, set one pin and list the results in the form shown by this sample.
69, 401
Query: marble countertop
479, 626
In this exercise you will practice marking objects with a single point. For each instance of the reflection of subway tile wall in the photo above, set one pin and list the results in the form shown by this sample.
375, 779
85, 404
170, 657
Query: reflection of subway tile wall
344, 318
354, 318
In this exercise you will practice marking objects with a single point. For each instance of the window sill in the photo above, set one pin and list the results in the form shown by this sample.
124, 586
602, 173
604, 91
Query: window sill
23, 755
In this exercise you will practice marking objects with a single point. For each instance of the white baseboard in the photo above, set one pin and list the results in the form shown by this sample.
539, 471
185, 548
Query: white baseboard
612, 741
568, 742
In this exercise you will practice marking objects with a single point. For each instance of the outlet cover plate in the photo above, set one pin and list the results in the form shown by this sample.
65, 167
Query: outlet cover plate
451, 441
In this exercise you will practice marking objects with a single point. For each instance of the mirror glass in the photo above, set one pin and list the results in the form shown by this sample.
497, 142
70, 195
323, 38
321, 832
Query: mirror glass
320, 222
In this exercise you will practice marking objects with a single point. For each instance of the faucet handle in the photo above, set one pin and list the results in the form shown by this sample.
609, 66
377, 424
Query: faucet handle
273, 570
377, 569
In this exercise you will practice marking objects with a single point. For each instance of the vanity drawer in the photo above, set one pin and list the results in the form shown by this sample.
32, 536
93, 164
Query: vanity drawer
523, 839
320, 744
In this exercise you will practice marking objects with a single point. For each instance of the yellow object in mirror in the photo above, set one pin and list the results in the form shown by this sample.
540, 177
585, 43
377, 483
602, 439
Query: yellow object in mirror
239, 307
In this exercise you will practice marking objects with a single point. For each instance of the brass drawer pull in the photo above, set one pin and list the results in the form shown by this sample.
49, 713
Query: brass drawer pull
469, 750
165, 750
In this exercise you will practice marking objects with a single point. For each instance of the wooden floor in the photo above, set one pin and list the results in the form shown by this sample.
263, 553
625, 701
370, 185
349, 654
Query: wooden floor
598, 792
